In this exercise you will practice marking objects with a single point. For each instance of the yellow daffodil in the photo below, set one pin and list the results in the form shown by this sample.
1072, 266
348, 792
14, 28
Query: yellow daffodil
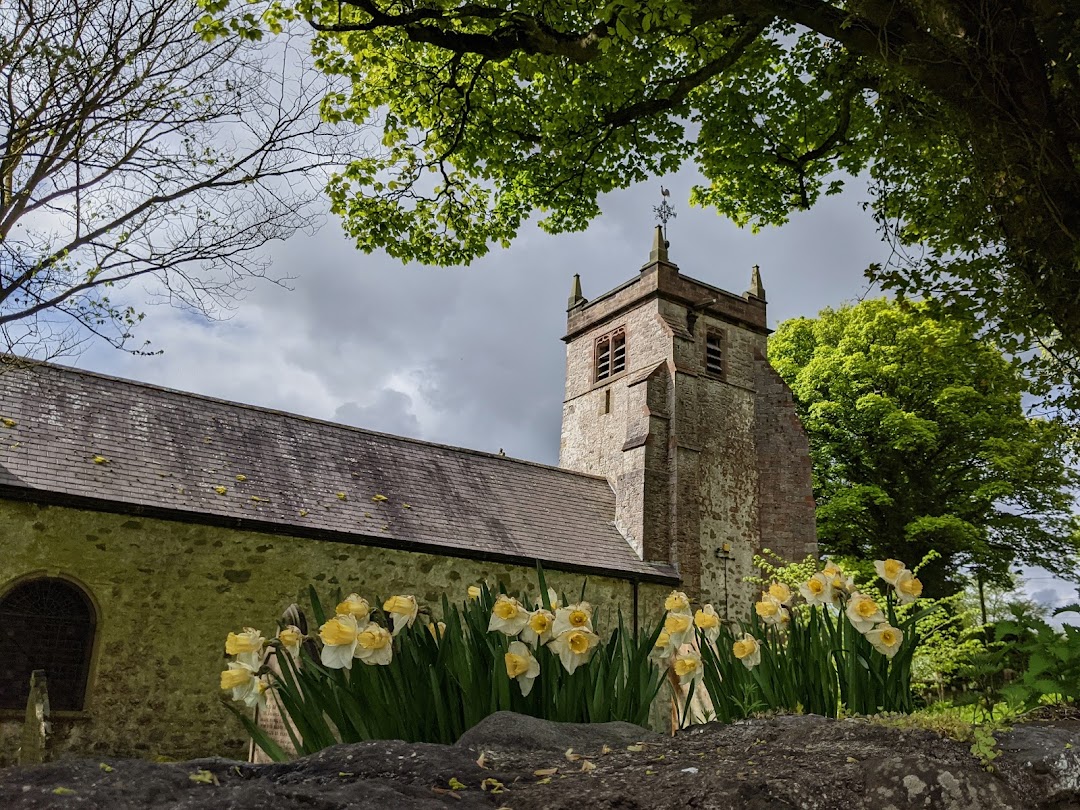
573, 617
291, 638
889, 570
747, 650
553, 600
374, 645
508, 616
402, 610
708, 622
474, 591
688, 667
437, 629
780, 592
770, 611
886, 639
818, 590
663, 648
239, 679
573, 647
677, 602
246, 646
863, 612
908, 588
522, 666
356, 606
537, 630
680, 627
339, 641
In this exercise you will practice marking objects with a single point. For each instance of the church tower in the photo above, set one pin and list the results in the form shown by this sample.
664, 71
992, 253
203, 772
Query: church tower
670, 397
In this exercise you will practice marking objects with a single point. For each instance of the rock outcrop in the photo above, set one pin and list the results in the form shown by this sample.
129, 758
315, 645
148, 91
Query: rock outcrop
510, 761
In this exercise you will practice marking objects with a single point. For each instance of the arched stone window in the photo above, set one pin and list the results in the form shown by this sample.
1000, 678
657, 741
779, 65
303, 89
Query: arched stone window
46, 624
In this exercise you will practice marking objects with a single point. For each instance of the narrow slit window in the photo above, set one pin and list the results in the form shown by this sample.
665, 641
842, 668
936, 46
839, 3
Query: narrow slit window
610, 355
714, 353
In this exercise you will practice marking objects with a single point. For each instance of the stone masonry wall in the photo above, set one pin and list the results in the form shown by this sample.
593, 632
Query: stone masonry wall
169, 592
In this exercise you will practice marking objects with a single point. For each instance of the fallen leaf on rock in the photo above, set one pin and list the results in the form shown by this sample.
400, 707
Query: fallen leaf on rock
63, 791
203, 777
494, 785
587, 767
571, 756
545, 772
106, 767
606, 749
635, 748
456, 784
482, 759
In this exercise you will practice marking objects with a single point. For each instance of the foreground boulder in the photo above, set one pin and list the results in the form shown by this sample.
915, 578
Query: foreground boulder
510, 761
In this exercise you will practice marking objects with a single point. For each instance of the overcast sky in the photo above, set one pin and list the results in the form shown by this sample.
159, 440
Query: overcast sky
472, 356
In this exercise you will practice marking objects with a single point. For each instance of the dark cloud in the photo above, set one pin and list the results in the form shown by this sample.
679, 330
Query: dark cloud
389, 412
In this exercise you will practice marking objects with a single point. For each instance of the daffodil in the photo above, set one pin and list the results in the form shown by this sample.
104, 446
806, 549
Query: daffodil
770, 611
708, 622
374, 645
474, 591
818, 590
239, 679
677, 602
663, 648
339, 641
356, 606
840, 581
680, 627
537, 630
573, 647
886, 639
889, 570
908, 588
257, 695
522, 666
437, 629
747, 650
780, 592
688, 667
863, 612
573, 617
291, 638
508, 616
246, 646
403, 610
553, 600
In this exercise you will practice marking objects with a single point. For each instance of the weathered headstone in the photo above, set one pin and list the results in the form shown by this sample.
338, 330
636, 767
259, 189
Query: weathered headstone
35, 734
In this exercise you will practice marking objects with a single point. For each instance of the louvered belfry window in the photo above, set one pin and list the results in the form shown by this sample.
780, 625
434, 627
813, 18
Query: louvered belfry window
610, 354
714, 353
45, 624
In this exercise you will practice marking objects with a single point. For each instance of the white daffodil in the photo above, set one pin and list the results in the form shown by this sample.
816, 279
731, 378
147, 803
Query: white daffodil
663, 648
257, 695
840, 581
688, 667
677, 602
239, 679
573, 647
573, 617
246, 646
537, 630
508, 616
680, 627
780, 592
863, 612
908, 588
747, 650
374, 645
818, 590
553, 600
889, 570
291, 638
708, 623
356, 606
402, 610
522, 666
339, 641
770, 611
886, 639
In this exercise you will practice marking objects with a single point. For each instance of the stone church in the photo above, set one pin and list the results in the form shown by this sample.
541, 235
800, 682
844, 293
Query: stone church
138, 524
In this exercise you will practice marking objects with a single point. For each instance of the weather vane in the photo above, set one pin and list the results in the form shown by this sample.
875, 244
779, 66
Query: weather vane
664, 211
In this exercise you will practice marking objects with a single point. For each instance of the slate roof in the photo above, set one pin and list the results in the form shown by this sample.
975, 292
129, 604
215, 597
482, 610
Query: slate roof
163, 453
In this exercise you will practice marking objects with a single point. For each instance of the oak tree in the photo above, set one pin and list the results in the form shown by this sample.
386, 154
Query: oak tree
920, 442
